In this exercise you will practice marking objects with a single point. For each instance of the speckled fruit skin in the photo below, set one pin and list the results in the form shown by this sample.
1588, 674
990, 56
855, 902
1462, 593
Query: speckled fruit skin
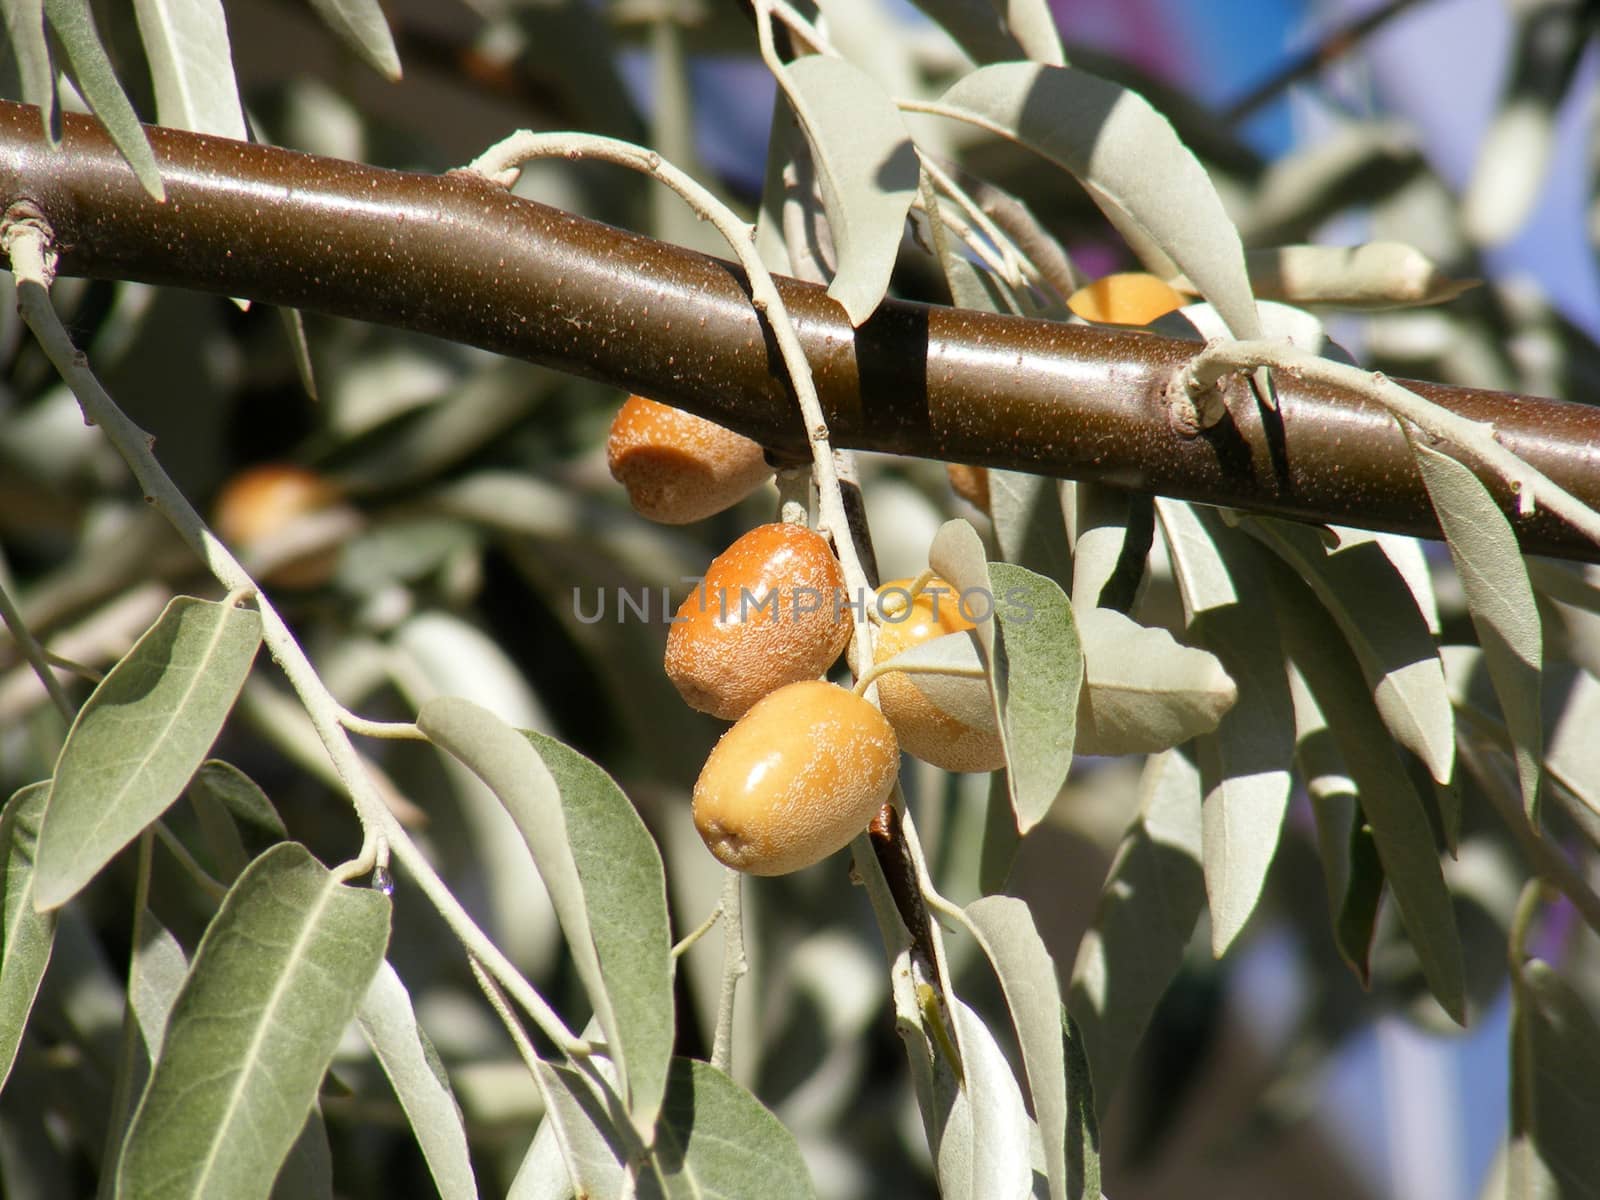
260, 501
724, 655
925, 731
1128, 298
797, 778
678, 467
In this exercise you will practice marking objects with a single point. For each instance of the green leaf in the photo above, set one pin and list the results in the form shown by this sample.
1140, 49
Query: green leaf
1379, 618
155, 976
362, 25
867, 169
977, 27
277, 977
92, 71
1130, 161
604, 877
1555, 1060
235, 815
1039, 669
578, 1148
139, 738
984, 1150
1244, 765
191, 66
1142, 691
1029, 524
1004, 927
25, 30
307, 1173
28, 934
390, 1027
1083, 1126
1148, 906
716, 1139
1499, 600
1393, 808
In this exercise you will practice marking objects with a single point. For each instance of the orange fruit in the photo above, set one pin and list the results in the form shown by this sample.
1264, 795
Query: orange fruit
1129, 298
797, 778
678, 467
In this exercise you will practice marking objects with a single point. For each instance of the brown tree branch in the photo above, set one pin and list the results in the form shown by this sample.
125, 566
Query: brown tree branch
455, 257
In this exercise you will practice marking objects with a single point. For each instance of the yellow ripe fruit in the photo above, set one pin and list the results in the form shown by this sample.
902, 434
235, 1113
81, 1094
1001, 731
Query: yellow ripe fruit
678, 467
1130, 298
797, 778
769, 612
261, 504
925, 730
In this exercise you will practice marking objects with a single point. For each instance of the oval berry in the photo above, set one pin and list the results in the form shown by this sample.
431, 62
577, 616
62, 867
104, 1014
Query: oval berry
678, 467
797, 778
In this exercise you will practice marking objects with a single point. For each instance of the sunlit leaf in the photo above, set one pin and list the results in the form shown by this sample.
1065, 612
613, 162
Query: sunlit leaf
1393, 808
1153, 895
390, 1027
191, 66
1004, 927
362, 25
984, 1148
27, 934
139, 738
1245, 764
578, 1149
1130, 161
97, 80
867, 170
1142, 691
716, 1139
275, 980
603, 874
1499, 600
1379, 619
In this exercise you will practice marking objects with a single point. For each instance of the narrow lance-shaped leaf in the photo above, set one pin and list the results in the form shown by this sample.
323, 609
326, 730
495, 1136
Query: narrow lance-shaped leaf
1083, 1122
603, 874
139, 738
867, 169
1004, 927
578, 1149
25, 28
1499, 599
390, 1026
97, 80
1555, 1059
983, 1150
716, 1139
191, 65
1379, 618
364, 28
27, 935
1148, 907
1244, 765
1131, 162
1393, 808
274, 982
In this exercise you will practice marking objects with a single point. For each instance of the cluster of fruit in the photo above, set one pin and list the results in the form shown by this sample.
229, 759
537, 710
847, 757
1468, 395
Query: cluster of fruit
807, 763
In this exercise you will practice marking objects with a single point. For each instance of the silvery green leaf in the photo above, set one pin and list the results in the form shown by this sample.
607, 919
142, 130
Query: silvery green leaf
1130, 161
1038, 670
1245, 763
578, 1149
950, 672
1004, 927
1572, 755
362, 25
603, 875
977, 27
1142, 691
1499, 600
27, 934
25, 28
1370, 277
984, 1150
155, 977
1394, 810
867, 169
1555, 1059
390, 1026
191, 66
140, 736
275, 980
1152, 896
715, 1139
97, 80
1379, 619
1029, 523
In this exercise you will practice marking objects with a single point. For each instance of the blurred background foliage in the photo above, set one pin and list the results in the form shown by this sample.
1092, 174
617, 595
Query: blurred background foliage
469, 516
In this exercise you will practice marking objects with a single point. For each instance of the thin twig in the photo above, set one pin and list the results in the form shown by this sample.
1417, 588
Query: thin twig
27, 243
686, 943
37, 658
734, 967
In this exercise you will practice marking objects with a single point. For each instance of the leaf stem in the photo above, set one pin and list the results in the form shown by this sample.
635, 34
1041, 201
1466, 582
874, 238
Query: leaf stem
36, 655
734, 966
